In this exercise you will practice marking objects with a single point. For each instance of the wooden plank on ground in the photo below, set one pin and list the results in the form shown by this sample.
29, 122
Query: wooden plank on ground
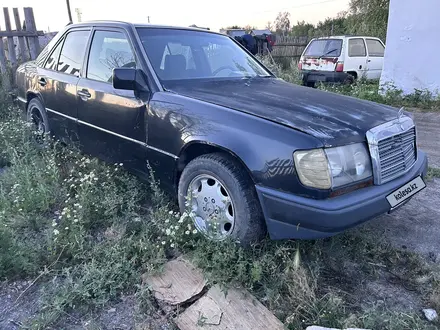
237, 310
180, 282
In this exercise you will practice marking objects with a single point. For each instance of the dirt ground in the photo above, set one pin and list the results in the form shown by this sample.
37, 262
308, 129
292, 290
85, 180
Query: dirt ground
121, 315
415, 226
428, 133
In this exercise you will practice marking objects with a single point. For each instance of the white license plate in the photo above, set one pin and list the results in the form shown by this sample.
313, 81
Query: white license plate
408, 190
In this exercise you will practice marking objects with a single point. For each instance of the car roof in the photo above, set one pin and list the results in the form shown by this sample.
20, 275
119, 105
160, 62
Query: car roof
141, 25
345, 36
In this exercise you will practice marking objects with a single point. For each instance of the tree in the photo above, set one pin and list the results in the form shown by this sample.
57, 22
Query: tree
331, 26
282, 22
303, 29
249, 28
269, 25
369, 17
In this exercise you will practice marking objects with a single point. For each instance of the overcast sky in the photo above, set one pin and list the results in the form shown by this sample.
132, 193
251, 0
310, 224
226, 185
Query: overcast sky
52, 14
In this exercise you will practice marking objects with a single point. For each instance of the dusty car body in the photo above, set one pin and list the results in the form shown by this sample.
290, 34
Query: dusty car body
248, 149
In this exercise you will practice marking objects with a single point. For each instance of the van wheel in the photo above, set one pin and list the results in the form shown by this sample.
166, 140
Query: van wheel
311, 84
349, 80
222, 199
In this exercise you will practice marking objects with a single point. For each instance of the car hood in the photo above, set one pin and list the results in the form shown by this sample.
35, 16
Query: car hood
332, 118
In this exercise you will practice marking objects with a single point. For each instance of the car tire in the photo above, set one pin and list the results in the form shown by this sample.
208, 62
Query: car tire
248, 222
36, 114
349, 79
311, 84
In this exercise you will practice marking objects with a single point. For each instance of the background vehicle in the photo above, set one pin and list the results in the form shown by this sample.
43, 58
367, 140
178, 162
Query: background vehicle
254, 40
341, 59
246, 151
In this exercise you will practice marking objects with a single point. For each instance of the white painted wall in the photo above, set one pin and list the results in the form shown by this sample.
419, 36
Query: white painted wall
413, 46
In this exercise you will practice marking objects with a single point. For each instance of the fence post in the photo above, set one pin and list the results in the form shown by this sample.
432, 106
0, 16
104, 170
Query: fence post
11, 46
23, 50
30, 26
3, 67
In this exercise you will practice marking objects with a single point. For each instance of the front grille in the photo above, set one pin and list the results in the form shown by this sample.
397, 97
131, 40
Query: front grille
397, 154
393, 148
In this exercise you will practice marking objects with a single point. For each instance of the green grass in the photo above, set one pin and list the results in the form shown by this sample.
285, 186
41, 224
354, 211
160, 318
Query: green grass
422, 100
371, 91
433, 173
87, 231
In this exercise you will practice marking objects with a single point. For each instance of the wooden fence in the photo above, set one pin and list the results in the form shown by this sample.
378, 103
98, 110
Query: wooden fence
26, 36
289, 47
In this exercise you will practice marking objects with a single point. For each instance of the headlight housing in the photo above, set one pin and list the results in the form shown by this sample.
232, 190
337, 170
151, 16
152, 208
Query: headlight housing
333, 167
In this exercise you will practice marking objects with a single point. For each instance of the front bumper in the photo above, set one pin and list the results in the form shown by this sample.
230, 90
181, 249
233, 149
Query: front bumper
290, 216
323, 76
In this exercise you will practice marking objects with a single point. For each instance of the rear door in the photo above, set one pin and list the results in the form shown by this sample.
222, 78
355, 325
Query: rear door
356, 60
376, 51
322, 54
111, 122
57, 83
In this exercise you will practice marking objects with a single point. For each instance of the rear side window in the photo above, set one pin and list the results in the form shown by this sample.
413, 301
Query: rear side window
72, 53
52, 61
324, 47
109, 50
356, 48
375, 48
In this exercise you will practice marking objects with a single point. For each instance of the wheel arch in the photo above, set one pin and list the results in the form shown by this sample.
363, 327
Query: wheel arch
30, 95
197, 148
353, 73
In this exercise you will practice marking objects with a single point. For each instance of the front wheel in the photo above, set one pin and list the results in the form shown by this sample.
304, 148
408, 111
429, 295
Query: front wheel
222, 199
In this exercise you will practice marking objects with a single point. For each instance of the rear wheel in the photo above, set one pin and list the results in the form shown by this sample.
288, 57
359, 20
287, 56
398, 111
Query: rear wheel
222, 199
36, 115
349, 79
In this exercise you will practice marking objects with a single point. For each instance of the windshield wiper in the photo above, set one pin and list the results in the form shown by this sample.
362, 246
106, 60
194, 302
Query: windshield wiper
330, 51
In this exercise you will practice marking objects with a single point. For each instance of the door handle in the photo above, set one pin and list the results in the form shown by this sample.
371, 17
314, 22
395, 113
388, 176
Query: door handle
42, 81
84, 94
369, 61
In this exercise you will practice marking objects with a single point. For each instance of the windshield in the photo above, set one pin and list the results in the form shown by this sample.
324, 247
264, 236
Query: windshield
185, 54
324, 47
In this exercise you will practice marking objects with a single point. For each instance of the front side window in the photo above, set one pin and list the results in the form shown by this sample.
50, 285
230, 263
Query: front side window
109, 50
52, 61
184, 54
375, 48
356, 48
72, 53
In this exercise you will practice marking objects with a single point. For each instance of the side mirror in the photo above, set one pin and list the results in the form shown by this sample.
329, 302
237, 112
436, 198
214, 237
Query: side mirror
125, 78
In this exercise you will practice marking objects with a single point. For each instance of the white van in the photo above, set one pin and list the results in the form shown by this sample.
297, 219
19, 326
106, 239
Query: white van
341, 59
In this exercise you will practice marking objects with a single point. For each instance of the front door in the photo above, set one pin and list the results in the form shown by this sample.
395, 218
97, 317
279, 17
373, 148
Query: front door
57, 84
112, 123
376, 51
